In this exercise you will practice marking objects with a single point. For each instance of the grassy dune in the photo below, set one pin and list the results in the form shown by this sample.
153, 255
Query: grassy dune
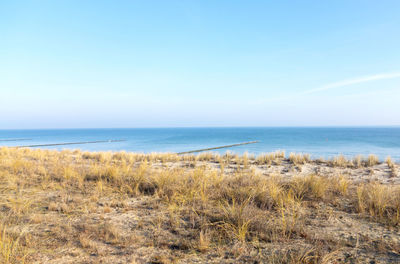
79, 207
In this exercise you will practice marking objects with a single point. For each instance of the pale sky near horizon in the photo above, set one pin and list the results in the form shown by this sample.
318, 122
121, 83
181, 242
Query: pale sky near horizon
87, 64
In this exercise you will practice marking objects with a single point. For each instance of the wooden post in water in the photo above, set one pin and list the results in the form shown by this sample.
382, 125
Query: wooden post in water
70, 143
14, 139
220, 147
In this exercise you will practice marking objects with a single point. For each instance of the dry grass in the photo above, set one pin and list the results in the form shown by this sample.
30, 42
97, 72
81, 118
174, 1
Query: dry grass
372, 160
389, 162
358, 161
341, 161
11, 248
298, 159
381, 202
269, 158
164, 207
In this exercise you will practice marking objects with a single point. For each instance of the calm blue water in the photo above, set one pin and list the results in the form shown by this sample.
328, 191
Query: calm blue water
318, 142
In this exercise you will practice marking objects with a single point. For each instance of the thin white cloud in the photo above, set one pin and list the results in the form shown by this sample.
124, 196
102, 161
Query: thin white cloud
364, 79
294, 96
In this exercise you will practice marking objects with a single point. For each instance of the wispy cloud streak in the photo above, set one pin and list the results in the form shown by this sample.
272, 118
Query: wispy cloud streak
364, 79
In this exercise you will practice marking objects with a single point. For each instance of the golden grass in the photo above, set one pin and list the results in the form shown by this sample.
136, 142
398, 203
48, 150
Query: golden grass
268, 158
372, 160
299, 158
358, 161
341, 161
379, 201
11, 249
191, 205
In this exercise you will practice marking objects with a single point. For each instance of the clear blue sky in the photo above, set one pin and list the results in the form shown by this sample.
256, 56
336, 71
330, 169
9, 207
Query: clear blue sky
66, 64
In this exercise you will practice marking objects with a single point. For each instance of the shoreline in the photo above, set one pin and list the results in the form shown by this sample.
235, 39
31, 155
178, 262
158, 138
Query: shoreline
322, 142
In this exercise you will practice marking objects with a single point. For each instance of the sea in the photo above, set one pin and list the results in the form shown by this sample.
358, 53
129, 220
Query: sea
317, 141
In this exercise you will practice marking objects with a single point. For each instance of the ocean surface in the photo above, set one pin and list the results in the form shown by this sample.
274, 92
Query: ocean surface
317, 141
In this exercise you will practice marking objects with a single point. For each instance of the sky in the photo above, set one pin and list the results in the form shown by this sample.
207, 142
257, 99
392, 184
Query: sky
99, 64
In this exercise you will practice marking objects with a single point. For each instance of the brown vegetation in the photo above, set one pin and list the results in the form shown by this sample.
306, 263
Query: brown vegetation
69, 206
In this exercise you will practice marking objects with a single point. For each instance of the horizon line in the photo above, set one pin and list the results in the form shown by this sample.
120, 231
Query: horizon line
183, 127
